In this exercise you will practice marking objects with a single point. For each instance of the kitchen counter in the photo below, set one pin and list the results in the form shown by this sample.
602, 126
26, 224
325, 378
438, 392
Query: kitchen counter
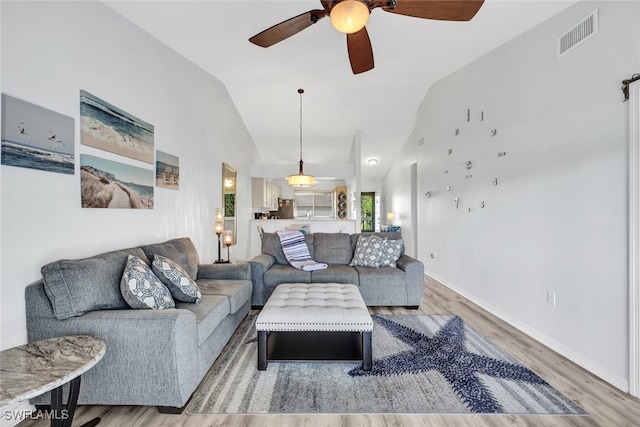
315, 226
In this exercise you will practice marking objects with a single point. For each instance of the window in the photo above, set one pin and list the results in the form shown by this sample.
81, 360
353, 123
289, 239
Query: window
367, 211
319, 204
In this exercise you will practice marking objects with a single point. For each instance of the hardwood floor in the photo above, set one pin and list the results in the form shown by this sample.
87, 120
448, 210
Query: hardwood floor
606, 405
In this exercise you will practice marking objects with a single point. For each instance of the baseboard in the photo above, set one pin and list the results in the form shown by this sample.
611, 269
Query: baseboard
542, 338
12, 415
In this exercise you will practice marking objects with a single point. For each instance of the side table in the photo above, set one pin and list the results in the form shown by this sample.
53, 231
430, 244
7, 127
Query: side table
32, 369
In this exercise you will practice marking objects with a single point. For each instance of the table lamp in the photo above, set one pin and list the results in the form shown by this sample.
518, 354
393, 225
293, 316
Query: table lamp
219, 228
227, 238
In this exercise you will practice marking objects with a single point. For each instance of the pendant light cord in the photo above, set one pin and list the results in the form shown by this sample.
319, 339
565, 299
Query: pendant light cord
301, 91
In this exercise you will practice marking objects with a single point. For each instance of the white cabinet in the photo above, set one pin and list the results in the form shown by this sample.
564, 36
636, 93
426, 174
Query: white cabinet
265, 194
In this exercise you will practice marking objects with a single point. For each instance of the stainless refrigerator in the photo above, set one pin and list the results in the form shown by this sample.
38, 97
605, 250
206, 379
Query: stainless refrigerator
285, 209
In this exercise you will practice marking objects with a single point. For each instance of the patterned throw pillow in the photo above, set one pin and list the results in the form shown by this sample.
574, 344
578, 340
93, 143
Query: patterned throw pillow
181, 286
391, 252
141, 288
368, 251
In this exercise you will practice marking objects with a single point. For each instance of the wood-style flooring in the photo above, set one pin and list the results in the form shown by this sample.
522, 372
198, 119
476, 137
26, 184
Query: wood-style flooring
606, 405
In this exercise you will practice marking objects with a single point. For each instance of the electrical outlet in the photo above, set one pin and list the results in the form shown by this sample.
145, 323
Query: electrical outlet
551, 298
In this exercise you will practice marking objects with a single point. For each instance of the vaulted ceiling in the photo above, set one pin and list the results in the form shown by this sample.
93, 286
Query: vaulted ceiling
410, 54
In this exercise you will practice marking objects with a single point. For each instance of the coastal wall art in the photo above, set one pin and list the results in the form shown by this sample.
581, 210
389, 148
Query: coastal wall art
109, 128
167, 170
108, 184
36, 138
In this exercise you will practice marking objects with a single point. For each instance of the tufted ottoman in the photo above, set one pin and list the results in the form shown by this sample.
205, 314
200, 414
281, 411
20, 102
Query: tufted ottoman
308, 312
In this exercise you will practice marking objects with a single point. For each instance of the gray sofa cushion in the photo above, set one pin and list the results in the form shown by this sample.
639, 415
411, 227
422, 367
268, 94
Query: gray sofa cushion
75, 287
332, 248
271, 246
181, 251
238, 292
335, 273
278, 274
211, 310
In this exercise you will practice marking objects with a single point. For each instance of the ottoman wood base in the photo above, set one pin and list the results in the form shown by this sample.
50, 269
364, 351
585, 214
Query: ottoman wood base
314, 346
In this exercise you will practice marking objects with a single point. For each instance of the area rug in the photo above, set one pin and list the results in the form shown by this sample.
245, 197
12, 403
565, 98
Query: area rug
421, 364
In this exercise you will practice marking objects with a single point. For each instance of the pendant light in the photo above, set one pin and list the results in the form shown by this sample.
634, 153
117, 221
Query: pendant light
301, 180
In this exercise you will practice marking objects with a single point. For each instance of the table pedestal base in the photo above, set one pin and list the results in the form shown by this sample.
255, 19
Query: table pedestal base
62, 414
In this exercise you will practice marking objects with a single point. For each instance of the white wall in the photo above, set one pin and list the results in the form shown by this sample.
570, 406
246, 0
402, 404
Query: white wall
396, 193
557, 220
52, 50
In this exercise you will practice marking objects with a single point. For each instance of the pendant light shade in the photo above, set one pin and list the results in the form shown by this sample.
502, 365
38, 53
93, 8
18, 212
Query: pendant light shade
301, 180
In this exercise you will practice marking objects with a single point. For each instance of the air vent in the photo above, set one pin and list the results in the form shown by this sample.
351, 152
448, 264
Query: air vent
580, 33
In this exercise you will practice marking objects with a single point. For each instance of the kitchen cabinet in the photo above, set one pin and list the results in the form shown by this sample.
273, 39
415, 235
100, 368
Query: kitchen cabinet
265, 194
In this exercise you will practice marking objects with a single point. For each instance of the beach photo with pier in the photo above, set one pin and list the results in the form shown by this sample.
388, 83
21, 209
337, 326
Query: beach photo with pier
36, 138
108, 184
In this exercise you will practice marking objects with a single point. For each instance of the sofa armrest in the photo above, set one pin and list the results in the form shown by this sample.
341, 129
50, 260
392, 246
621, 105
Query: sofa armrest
146, 350
259, 265
236, 271
414, 270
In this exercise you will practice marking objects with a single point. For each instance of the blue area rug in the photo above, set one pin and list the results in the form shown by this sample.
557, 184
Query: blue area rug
421, 364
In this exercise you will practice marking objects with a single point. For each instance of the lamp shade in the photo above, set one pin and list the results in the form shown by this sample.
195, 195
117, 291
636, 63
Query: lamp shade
349, 16
219, 221
227, 237
390, 216
301, 181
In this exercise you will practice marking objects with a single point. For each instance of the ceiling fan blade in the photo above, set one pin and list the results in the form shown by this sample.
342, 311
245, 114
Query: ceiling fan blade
360, 51
287, 28
446, 10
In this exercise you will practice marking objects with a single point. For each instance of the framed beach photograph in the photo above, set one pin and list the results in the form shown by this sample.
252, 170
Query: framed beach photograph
109, 128
36, 138
167, 170
108, 184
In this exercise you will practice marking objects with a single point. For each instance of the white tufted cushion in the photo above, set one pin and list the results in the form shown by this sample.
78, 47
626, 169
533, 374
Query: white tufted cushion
315, 307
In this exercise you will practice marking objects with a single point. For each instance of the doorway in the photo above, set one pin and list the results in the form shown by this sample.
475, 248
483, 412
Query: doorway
367, 211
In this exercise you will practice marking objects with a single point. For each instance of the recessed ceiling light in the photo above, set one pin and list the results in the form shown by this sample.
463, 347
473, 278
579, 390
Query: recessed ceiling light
372, 162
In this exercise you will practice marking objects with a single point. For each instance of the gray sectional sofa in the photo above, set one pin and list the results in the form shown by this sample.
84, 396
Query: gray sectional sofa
153, 357
384, 286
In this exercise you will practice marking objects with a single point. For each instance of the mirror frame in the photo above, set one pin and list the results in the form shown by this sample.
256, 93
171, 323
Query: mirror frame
230, 173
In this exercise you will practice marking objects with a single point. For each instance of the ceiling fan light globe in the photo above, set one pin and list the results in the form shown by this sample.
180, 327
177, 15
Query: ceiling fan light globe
349, 16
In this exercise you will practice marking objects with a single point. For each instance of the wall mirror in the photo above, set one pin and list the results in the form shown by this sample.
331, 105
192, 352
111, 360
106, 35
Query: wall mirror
229, 199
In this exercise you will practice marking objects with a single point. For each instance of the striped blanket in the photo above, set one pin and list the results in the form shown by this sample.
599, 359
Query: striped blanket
296, 251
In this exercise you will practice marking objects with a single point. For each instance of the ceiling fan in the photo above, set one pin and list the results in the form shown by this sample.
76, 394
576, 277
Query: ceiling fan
350, 17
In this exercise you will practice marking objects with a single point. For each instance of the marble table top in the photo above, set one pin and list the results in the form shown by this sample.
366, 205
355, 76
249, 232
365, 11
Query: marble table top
35, 368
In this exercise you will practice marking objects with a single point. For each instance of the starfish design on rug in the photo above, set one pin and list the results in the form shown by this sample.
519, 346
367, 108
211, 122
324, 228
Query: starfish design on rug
446, 353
